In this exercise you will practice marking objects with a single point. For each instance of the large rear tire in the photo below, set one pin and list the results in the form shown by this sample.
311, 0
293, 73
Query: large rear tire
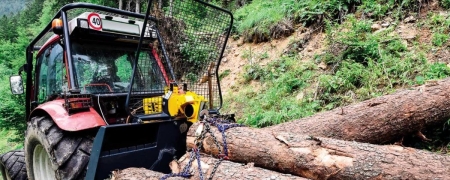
12, 165
51, 153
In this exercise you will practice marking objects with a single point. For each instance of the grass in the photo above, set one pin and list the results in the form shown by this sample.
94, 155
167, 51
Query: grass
5, 144
224, 74
282, 80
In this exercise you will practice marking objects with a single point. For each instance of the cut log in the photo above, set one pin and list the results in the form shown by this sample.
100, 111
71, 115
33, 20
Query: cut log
139, 174
324, 158
232, 170
380, 120
225, 170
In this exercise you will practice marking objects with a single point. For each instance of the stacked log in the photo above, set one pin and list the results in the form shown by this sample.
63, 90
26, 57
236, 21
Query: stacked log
324, 158
380, 120
225, 170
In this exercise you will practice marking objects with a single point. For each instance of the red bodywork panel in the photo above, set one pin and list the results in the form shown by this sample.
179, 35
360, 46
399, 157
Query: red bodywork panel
75, 122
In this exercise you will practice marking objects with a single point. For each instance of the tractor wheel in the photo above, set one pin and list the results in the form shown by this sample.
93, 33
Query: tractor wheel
12, 165
51, 153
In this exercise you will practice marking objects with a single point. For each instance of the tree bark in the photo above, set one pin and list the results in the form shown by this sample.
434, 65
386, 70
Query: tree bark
324, 158
128, 5
139, 173
225, 170
170, 8
379, 120
121, 4
138, 6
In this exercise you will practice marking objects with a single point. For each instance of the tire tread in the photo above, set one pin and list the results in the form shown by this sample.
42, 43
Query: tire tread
69, 151
14, 164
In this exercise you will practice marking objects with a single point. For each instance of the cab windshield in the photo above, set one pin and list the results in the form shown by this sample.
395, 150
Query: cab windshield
108, 68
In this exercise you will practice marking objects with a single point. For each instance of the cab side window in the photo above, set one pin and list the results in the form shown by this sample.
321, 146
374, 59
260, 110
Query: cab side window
52, 74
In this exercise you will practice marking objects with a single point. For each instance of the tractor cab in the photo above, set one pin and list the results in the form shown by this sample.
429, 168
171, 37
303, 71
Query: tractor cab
103, 52
109, 89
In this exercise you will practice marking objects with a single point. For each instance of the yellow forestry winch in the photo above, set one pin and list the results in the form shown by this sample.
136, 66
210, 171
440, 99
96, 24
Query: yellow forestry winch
181, 103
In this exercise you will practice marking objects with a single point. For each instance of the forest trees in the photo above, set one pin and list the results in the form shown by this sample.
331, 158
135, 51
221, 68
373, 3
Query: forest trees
16, 31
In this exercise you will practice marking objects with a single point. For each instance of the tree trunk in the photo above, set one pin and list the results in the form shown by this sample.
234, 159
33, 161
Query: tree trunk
128, 5
138, 6
225, 170
324, 158
379, 120
121, 4
170, 8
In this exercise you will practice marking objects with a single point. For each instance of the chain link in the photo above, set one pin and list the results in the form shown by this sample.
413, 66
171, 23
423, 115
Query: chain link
215, 169
200, 172
222, 125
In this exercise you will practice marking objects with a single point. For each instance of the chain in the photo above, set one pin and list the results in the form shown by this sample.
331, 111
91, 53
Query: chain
185, 173
215, 168
197, 155
216, 142
222, 126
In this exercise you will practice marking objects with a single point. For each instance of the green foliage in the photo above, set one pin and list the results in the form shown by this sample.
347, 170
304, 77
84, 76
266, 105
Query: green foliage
439, 39
371, 65
5, 142
197, 55
379, 8
275, 103
12, 108
224, 74
360, 45
253, 72
445, 3
437, 71
257, 18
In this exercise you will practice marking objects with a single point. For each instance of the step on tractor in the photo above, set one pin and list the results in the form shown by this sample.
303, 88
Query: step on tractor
109, 89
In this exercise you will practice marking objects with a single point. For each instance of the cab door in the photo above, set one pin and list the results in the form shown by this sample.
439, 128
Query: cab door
50, 79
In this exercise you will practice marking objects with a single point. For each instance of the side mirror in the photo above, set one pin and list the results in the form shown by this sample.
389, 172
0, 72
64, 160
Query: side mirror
16, 84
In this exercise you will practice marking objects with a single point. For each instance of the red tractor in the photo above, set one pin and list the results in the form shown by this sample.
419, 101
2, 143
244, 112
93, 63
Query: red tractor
109, 89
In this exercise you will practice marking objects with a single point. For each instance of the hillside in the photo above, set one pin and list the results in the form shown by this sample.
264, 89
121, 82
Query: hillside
10, 7
329, 64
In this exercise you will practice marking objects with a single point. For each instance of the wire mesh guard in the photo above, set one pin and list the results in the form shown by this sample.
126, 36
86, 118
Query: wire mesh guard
192, 35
